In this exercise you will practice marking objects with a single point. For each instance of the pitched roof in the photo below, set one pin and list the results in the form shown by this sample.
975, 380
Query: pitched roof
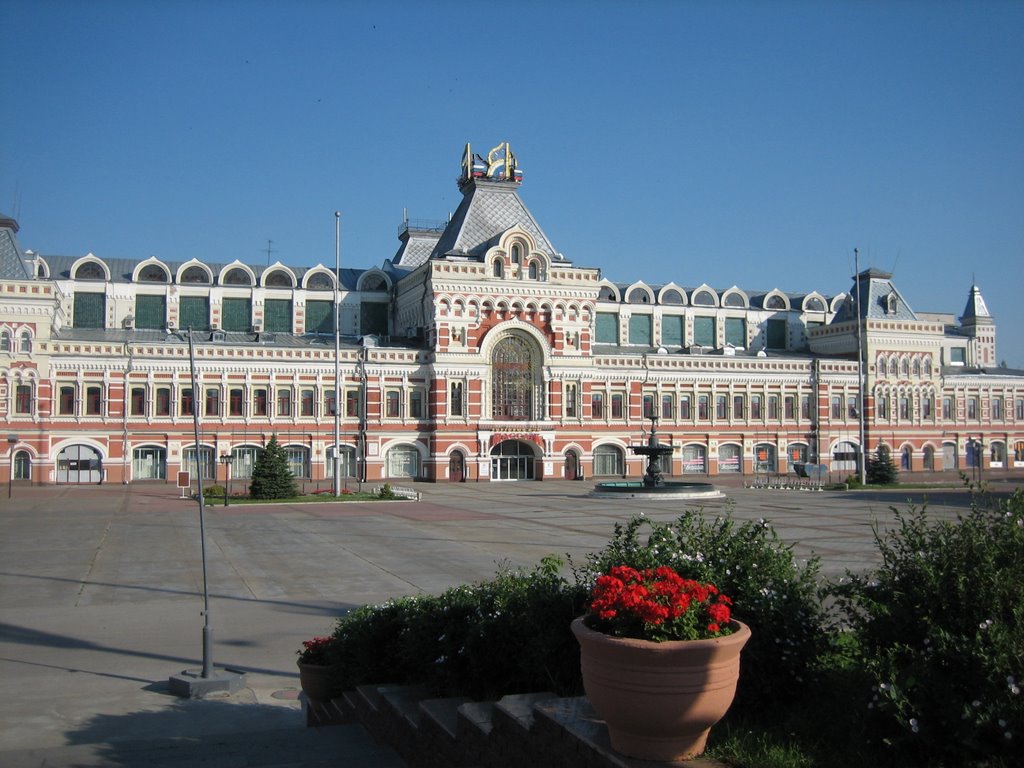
489, 209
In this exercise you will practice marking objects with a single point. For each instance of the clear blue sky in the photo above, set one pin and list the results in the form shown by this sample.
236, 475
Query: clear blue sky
743, 143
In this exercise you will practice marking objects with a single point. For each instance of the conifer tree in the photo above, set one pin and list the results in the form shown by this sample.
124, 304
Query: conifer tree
272, 478
881, 469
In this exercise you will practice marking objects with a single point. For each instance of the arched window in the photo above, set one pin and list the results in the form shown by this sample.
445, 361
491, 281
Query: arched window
735, 299
237, 276
153, 273
90, 271
5, 341
638, 296
278, 279
498, 269
26, 342
704, 299
375, 283
609, 461
403, 461
346, 461
917, 366
729, 458
671, 296
22, 466
892, 367
195, 274
815, 304
513, 379
905, 367
517, 253
320, 281
534, 271
606, 294
775, 302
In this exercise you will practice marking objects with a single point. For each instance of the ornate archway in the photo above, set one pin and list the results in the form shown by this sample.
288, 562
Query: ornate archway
515, 380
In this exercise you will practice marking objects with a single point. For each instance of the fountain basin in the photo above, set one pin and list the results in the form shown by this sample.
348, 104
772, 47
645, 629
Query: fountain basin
667, 491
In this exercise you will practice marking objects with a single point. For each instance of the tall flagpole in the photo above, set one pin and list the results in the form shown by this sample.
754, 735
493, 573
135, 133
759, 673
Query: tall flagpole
337, 354
861, 382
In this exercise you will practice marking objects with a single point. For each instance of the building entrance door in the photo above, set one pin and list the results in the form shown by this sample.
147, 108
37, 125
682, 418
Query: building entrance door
79, 464
456, 467
512, 460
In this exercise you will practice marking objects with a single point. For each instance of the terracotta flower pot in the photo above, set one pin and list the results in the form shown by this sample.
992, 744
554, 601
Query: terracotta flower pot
317, 681
659, 700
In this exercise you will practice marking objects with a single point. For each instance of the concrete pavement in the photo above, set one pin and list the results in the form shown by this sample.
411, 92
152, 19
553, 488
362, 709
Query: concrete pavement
100, 599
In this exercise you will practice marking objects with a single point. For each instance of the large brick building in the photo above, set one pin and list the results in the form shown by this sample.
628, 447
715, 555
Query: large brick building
479, 352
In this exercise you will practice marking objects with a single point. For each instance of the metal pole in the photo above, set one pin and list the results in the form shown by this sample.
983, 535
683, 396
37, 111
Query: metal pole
207, 629
337, 355
861, 399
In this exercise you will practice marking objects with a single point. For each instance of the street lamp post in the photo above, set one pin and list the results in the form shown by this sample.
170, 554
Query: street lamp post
12, 440
225, 459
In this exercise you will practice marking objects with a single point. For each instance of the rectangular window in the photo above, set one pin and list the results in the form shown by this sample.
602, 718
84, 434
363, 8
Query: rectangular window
277, 315
790, 407
66, 401
737, 406
755, 407
1019, 409
904, 408
647, 405
837, 407
259, 402
972, 408
213, 401
805, 407
882, 407
571, 394
23, 399
775, 334
672, 330
703, 407
640, 329
194, 312
352, 403
957, 356
997, 409
773, 407
150, 312
392, 404
736, 332
236, 315
851, 407
320, 316
186, 402
373, 318
89, 310
668, 407
416, 404
455, 401
297, 461
597, 406
138, 401
721, 407
684, 407
307, 397
235, 400
926, 407
329, 404
616, 406
947, 408
93, 401
163, 401
607, 329
704, 331
284, 402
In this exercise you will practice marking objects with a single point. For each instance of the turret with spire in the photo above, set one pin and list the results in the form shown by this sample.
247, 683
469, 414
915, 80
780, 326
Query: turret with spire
977, 323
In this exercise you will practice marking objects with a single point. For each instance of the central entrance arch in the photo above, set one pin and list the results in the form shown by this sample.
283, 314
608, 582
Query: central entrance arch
513, 460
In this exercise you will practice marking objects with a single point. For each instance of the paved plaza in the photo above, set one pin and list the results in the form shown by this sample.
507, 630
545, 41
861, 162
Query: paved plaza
101, 599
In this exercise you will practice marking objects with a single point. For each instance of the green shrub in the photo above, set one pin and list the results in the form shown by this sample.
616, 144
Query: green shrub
386, 492
940, 627
272, 477
508, 635
771, 592
214, 490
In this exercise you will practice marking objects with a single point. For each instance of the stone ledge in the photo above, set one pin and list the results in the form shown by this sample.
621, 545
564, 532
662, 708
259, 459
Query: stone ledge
536, 729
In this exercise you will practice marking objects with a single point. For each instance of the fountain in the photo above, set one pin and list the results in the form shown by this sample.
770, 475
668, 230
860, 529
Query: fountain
653, 485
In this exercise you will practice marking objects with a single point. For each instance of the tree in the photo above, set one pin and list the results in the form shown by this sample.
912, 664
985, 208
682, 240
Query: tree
881, 470
272, 478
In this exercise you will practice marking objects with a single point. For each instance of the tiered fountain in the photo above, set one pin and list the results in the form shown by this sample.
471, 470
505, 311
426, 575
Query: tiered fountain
653, 485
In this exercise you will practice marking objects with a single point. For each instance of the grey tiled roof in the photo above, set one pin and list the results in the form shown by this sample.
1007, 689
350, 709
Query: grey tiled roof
876, 286
415, 249
489, 209
12, 262
975, 305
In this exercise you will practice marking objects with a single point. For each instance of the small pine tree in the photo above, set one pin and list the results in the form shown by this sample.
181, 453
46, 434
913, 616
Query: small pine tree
881, 469
272, 478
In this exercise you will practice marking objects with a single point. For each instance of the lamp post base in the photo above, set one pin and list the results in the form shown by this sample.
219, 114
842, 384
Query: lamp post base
190, 684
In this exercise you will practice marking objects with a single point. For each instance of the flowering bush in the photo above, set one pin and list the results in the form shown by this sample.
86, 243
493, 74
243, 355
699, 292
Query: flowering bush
657, 604
316, 651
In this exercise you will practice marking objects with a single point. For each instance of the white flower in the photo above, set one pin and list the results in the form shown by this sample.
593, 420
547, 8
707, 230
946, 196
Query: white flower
975, 703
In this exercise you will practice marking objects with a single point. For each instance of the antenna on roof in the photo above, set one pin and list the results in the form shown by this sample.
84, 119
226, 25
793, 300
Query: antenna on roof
270, 250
